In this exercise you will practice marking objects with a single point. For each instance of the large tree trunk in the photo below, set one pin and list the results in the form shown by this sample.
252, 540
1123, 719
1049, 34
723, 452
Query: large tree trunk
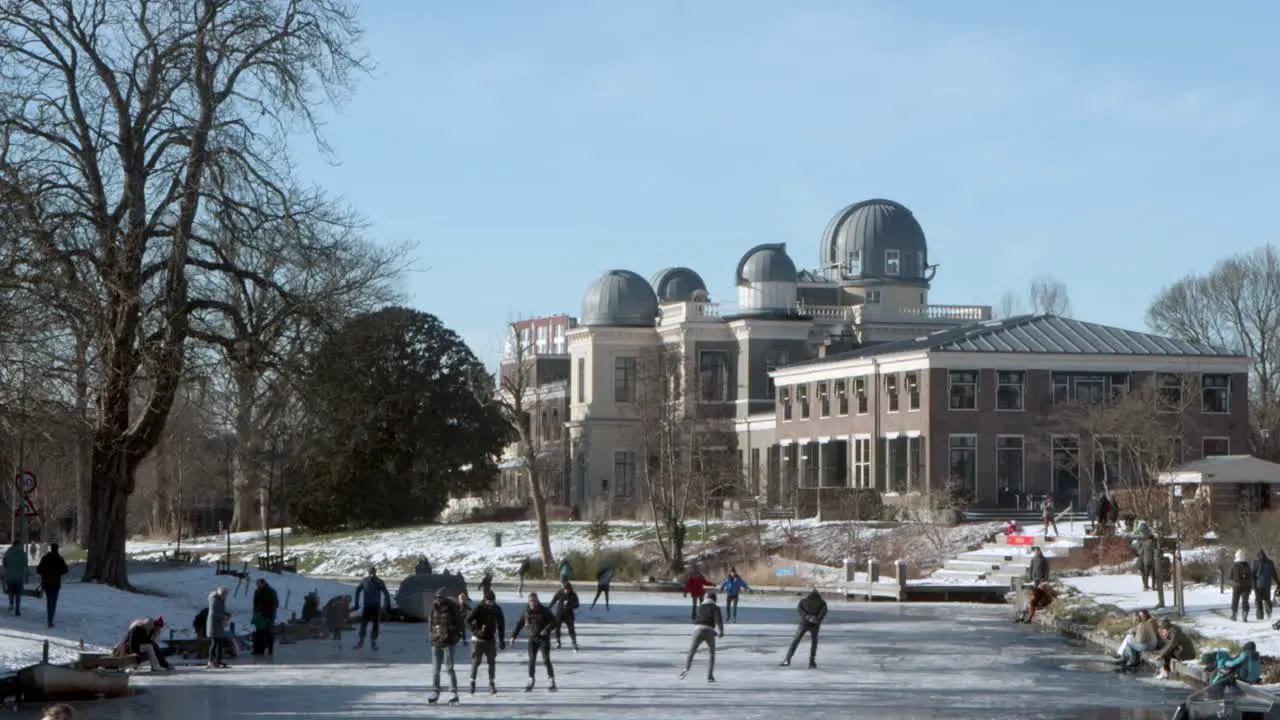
244, 475
82, 463
111, 486
540, 514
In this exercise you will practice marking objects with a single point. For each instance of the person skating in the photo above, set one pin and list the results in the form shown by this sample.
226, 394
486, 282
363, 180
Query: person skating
372, 592
336, 614
488, 635
1046, 514
563, 606
1241, 586
51, 569
707, 625
486, 582
566, 570
540, 622
813, 610
1264, 575
446, 627
142, 638
217, 628
464, 604
696, 587
732, 587
266, 603
520, 573
15, 576
603, 578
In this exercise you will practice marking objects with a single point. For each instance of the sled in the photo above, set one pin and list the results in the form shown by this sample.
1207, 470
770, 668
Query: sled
1231, 701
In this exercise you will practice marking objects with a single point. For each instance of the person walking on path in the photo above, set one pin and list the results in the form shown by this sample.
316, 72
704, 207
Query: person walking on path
372, 592
708, 624
51, 568
1046, 514
563, 606
1241, 586
540, 622
732, 587
813, 610
266, 603
603, 578
488, 635
696, 587
445, 629
520, 573
218, 628
1039, 567
1147, 546
15, 576
1264, 575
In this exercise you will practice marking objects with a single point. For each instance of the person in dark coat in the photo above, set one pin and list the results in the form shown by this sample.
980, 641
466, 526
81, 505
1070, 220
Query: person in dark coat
707, 626
1048, 517
538, 618
446, 626
813, 610
1146, 547
142, 638
1264, 577
201, 624
51, 569
563, 606
1039, 567
372, 592
266, 603
488, 635
603, 578
486, 582
1241, 575
521, 571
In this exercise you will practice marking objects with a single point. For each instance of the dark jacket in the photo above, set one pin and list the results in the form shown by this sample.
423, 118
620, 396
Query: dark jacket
487, 623
266, 602
1147, 551
371, 592
1242, 576
565, 602
51, 569
604, 577
540, 622
812, 609
445, 623
140, 633
1039, 568
1264, 572
1178, 646
709, 615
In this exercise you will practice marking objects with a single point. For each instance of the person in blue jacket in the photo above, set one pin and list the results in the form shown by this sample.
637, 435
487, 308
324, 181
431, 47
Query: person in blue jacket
732, 587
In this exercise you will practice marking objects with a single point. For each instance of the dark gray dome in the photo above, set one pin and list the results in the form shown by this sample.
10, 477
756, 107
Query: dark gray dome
677, 284
766, 263
858, 237
620, 298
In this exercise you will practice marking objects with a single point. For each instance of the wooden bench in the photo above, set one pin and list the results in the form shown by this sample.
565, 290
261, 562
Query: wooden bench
277, 564
183, 557
224, 568
778, 514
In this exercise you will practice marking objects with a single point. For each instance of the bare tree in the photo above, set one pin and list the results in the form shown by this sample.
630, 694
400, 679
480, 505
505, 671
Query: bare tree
1235, 306
1045, 295
520, 394
132, 127
1010, 305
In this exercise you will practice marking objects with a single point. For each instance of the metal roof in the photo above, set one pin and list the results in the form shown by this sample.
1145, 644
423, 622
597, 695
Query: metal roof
1223, 470
1036, 334
766, 263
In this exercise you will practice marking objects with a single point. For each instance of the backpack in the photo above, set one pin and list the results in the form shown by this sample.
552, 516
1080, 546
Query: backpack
1243, 575
445, 628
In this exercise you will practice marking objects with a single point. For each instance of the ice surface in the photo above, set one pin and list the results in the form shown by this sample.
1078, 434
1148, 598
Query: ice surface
876, 661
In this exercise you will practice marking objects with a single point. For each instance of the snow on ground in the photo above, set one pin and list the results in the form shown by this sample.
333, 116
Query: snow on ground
959, 661
1208, 611
98, 615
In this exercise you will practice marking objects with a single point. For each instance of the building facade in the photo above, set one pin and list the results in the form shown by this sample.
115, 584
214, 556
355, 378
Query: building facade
982, 410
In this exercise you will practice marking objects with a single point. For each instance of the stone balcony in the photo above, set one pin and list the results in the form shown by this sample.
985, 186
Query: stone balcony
958, 314
695, 312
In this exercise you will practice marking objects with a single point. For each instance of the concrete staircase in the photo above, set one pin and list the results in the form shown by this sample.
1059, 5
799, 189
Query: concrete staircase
997, 563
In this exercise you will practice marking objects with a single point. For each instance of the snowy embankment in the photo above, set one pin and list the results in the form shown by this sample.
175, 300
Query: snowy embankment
98, 615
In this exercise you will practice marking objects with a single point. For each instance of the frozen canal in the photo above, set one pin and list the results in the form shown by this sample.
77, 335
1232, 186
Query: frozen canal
881, 660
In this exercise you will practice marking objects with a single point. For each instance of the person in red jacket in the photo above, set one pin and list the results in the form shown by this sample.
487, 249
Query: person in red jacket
696, 587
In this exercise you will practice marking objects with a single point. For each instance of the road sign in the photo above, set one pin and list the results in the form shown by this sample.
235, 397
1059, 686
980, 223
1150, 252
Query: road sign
26, 482
27, 509
784, 572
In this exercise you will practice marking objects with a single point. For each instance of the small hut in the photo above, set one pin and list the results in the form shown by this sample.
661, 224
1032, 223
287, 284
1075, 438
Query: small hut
1228, 484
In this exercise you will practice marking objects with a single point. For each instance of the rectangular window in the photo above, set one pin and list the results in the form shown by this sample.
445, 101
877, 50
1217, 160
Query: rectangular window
624, 379
1215, 391
544, 427
964, 463
891, 392
753, 482
842, 397
555, 424
542, 339
773, 359
872, 297
1212, 446
1169, 389
624, 473
862, 462
784, 399
1107, 468
1061, 388
913, 391
1066, 469
1118, 384
892, 262
1010, 390
524, 341
855, 262
582, 380
1089, 389
558, 342
963, 390
860, 394
802, 397
824, 401
1010, 463
713, 375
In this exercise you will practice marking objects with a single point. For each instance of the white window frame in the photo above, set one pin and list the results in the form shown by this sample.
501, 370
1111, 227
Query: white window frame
862, 462
786, 400
951, 383
893, 262
1021, 384
859, 392
872, 297
1022, 457
1205, 389
841, 387
804, 400
911, 383
624, 487
1205, 440
892, 393
822, 393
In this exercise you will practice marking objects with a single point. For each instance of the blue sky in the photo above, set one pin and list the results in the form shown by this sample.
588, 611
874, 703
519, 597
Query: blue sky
528, 147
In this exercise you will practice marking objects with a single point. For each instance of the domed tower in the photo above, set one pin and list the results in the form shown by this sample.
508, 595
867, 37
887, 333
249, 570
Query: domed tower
620, 298
766, 280
679, 284
877, 240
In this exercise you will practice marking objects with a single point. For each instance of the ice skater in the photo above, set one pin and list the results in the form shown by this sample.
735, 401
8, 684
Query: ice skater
707, 625
813, 610
540, 622
732, 587
464, 603
488, 628
603, 578
563, 606
372, 592
695, 587
446, 627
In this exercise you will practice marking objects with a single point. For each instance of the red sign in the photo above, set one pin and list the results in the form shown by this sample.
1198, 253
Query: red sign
1019, 540
27, 509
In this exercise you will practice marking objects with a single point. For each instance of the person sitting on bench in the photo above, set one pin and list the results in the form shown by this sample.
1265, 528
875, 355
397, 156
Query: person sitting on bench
143, 639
